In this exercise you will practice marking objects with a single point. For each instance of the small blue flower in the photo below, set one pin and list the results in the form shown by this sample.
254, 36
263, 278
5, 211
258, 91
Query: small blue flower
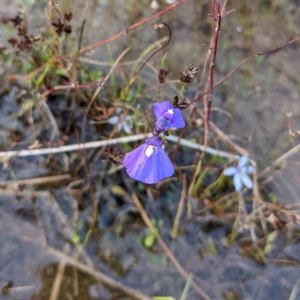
167, 116
240, 174
149, 162
122, 125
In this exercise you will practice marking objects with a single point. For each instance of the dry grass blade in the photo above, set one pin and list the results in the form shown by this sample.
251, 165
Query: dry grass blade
59, 276
180, 208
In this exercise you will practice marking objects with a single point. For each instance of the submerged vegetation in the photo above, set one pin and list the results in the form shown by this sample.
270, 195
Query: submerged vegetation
102, 200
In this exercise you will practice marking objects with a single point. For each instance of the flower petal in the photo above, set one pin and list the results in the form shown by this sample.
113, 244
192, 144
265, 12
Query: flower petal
127, 118
134, 161
247, 181
148, 169
243, 161
126, 127
250, 170
177, 121
159, 167
160, 108
113, 120
237, 182
230, 171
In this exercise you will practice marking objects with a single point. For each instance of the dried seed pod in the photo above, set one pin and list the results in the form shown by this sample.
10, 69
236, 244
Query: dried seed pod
162, 73
180, 103
188, 76
114, 155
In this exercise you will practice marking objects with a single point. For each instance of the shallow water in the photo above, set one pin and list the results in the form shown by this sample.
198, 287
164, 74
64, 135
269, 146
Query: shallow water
38, 221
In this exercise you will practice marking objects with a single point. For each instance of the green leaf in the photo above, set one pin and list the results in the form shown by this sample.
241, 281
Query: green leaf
75, 238
271, 237
118, 191
273, 197
151, 238
295, 291
268, 248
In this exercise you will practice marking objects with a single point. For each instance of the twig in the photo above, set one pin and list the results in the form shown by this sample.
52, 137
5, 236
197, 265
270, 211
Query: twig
243, 62
280, 161
123, 32
97, 144
217, 26
180, 208
59, 275
75, 147
38, 180
83, 24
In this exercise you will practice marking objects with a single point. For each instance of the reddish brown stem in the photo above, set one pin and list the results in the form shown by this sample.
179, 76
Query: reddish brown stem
60, 14
123, 32
217, 26
73, 86
243, 62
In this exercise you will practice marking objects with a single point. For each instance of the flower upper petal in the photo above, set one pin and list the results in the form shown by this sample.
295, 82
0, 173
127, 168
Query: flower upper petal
237, 182
250, 170
230, 171
247, 181
243, 161
134, 161
177, 121
126, 127
160, 108
113, 120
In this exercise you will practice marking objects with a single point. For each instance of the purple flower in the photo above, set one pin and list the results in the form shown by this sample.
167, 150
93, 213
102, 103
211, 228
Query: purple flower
167, 116
148, 163
240, 174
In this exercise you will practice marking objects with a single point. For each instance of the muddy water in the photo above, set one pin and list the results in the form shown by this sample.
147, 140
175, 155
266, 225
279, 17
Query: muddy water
257, 97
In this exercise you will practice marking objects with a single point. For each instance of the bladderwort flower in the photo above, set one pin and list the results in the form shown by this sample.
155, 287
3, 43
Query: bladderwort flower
240, 174
122, 125
149, 162
167, 117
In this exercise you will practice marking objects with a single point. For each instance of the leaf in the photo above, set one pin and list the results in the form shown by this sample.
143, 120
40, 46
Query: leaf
75, 238
295, 291
151, 238
118, 191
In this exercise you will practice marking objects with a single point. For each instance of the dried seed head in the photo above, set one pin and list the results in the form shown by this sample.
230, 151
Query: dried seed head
181, 104
68, 29
161, 25
162, 73
192, 69
188, 76
68, 16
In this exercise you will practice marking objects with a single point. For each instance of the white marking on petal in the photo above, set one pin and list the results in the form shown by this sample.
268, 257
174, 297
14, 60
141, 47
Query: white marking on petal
171, 111
149, 150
